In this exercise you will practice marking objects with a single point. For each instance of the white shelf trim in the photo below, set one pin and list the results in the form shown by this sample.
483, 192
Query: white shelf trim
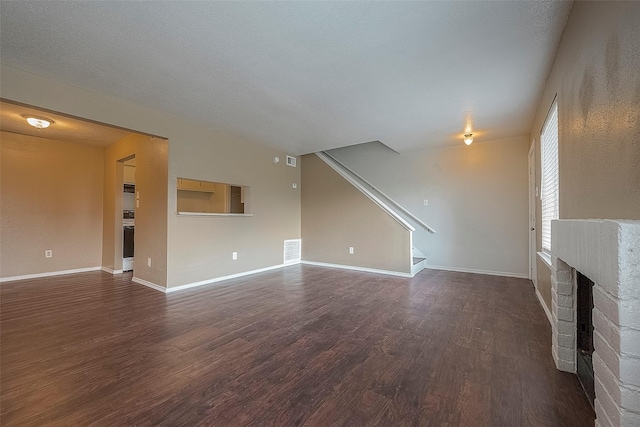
210, 214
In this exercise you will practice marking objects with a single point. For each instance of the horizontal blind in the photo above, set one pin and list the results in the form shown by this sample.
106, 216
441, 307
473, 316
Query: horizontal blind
549, 154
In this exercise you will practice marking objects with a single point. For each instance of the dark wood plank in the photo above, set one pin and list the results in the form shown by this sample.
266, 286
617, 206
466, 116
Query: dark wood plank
298, 346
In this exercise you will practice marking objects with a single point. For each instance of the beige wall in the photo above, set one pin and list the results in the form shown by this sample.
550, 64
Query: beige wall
219, 201
194, 201
51, 198
335, 216
477, 200
595, 77
151, 215
198, 248
201, 247
543, 283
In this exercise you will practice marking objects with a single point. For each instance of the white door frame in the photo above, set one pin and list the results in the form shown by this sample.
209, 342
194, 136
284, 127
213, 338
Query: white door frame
532, 214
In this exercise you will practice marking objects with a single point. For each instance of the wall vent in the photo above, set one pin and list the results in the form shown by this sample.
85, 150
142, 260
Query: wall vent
292, 251
291, 161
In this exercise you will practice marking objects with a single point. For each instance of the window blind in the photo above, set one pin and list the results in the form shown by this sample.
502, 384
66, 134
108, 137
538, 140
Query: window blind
549, 155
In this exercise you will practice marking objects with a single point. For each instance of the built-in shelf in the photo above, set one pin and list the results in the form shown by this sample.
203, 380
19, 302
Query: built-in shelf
210, 214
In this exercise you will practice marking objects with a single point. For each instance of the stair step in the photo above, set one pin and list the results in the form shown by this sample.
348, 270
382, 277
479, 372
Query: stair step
417, 260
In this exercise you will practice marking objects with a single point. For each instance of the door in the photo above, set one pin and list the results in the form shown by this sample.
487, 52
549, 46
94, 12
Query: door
532, 214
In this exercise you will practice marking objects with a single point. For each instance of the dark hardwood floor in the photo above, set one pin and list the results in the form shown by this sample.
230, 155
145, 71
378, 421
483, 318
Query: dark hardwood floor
297, 346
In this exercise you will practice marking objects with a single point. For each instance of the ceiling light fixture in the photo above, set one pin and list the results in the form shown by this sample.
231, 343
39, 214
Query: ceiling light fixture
39, 122
468, 138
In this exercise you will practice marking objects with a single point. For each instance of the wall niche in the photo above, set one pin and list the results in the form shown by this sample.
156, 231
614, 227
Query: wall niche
211, 198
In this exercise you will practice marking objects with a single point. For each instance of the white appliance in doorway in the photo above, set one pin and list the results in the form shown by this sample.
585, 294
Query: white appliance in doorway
128, 226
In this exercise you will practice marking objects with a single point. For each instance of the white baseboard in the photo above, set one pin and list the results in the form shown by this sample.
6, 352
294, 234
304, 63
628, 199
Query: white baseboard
149, 284
220, 279
470, 270
51, 273
544, 306
110, 271
354, 268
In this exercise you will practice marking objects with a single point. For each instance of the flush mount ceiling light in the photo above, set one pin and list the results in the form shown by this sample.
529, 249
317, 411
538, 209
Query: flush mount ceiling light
39, 122
468, 138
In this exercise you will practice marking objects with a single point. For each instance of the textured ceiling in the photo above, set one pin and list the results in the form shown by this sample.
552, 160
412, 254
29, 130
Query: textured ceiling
64, 128
303, 76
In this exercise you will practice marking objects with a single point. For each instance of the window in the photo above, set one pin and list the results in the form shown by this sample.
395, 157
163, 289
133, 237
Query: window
206, 197
549, 155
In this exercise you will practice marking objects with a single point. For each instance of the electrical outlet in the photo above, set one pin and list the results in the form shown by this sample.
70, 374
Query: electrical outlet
48, 253
351, 250
137, 203
148, 262
234, 255
426, 202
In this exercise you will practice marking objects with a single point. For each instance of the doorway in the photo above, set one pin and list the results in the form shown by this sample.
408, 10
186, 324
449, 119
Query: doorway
532, 214
129, 202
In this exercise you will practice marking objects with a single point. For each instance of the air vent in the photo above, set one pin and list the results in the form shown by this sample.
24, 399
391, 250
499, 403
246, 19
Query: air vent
292, 251
291, 161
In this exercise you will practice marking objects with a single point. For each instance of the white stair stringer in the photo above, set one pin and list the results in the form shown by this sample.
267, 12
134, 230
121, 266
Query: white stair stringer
351, 178
418, 261
373, 192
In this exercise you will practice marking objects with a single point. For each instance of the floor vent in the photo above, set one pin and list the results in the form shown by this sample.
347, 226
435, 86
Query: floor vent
292, 251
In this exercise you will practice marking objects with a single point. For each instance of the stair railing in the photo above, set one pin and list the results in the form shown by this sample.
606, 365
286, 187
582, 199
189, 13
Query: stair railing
369, 189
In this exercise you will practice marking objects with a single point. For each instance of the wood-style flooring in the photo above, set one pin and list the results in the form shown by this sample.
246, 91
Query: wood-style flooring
297, 346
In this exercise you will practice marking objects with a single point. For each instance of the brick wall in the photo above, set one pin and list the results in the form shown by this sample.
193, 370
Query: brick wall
608, 253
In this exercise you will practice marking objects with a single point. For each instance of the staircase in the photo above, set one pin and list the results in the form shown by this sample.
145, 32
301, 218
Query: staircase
418, 261
386, 203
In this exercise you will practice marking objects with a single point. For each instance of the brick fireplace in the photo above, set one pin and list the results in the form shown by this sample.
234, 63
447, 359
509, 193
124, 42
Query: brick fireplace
608, 253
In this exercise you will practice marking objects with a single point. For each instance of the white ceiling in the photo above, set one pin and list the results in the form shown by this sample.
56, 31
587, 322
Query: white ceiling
64, 128
303, 76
